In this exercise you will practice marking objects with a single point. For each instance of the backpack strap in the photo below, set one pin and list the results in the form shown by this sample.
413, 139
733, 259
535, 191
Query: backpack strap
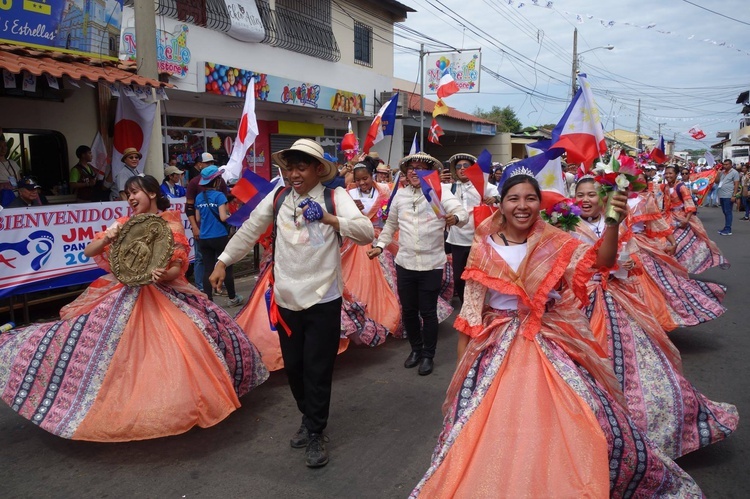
330, 201
273, 309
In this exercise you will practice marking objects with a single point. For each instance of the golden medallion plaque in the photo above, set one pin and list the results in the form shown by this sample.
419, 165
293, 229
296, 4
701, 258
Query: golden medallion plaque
145, 243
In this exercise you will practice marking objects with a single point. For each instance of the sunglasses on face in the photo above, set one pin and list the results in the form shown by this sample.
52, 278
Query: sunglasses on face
417, 167
461, 166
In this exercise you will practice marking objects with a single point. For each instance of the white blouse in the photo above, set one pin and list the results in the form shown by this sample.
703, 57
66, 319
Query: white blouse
513, 256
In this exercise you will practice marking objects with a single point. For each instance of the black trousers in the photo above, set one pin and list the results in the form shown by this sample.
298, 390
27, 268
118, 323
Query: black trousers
211, 249
418, 291
309, 354
460, 257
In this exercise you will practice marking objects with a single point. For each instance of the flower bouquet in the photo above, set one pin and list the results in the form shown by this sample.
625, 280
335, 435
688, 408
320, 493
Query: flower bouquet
564, 215
622, 175
383, 212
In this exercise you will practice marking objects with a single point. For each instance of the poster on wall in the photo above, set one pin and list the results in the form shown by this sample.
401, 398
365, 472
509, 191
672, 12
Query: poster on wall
86, 27
225, 80
246, 24
463, 66
42, 247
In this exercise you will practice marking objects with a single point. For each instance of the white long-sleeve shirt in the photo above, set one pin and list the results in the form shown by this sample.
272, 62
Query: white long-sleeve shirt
303, 274
420, 241
469, 198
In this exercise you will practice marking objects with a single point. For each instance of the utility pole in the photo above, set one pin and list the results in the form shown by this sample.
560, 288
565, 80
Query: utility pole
574, 75
638, 129
145, 36
421, 97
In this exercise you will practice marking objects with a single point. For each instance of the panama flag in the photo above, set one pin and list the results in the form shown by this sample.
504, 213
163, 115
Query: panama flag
382, 124
250, 189
134, 120
432, 190
551, 176
414, 145
657, 153
447, 86
580, 131
246, 134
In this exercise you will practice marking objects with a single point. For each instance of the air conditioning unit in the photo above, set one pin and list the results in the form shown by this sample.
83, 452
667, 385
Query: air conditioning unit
385, 97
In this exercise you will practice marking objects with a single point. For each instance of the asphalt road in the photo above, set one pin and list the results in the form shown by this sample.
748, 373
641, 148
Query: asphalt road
383, 425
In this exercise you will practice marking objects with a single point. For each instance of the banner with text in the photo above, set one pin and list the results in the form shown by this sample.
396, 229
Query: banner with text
463, 67
76, 26
42, 247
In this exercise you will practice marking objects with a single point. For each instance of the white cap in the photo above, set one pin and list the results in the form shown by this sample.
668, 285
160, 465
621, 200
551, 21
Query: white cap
207, 157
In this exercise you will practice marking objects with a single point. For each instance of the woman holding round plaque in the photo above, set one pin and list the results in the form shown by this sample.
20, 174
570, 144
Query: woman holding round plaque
141, 353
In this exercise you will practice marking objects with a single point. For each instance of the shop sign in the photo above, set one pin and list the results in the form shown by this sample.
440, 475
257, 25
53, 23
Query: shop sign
225, 80
463, 66
172, 52
246, 22
46, 243
484, 129
77, 26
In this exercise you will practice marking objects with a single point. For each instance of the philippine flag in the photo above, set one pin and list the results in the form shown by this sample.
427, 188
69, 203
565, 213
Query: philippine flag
550, 177
479, 173
580, 130
657, 153
382, 124
447, 86
432, 190
246, 134
250, 189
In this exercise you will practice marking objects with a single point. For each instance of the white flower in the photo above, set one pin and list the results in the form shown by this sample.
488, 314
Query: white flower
555, 217
622, 182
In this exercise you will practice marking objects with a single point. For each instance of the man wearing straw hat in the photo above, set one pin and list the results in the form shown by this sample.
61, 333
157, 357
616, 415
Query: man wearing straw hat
421, 256
460, 238
130, 159
307, 280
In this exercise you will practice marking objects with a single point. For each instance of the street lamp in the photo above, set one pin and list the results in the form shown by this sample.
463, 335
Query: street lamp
576, 55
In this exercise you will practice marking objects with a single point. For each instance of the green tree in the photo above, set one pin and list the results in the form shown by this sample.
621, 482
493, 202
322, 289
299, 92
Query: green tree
505, 118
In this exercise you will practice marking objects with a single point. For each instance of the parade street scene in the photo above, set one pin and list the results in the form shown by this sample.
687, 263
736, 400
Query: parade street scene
359, 249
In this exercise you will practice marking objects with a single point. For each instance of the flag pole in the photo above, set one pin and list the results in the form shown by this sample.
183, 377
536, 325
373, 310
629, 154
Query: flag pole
421, 97
390, 150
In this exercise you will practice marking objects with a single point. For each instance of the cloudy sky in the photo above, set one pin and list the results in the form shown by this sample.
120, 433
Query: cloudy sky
660, 55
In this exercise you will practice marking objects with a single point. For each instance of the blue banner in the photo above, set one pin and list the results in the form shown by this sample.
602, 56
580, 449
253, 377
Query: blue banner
85, 27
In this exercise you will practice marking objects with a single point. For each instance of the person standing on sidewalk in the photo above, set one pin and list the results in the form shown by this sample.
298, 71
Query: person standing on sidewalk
305, 300
729, 181
192, 191
421, 256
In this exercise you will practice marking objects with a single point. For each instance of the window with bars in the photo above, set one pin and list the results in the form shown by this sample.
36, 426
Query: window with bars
362, 44
302, 26
210, 14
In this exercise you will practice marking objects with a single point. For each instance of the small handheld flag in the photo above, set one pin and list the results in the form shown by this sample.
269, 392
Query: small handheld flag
432, 190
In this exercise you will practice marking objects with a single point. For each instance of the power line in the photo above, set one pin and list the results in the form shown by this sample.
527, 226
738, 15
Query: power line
714, 12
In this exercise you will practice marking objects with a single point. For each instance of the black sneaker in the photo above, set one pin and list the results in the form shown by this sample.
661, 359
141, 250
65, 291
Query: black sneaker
316, 454
301, 438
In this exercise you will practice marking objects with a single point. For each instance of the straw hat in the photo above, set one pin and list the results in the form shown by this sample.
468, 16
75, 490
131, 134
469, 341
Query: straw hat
458, 157
131, 150
374, 155
383, 168
313, 149
420, 156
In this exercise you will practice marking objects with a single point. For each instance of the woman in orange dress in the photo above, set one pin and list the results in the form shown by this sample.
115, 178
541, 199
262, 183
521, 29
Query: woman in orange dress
662, 402
131, 362
534, 409
695, 250
675, 299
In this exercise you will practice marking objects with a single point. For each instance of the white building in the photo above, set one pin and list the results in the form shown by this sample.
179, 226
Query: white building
317, 64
